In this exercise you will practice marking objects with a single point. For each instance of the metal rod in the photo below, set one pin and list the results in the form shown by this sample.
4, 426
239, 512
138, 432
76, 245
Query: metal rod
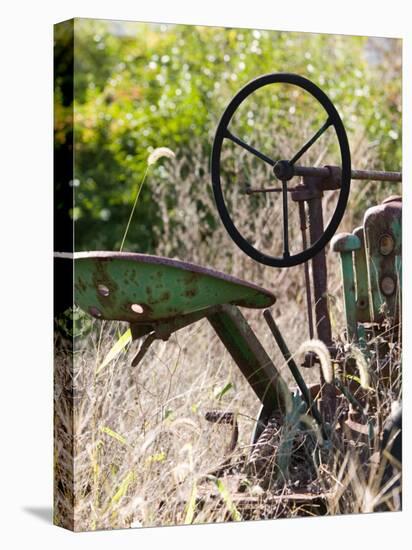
302, 216
285, 220
320, 288
292, 367
250, 356
322, 173
372, 175
319, 271
251, 190
310, 142
248, 147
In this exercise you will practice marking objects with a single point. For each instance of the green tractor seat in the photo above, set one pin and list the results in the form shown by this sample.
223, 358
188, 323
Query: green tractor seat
139, 288
159, 296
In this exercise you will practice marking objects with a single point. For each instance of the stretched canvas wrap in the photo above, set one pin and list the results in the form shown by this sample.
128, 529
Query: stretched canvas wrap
227, 274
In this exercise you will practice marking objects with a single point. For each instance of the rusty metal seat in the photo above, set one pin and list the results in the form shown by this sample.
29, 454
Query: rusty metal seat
139, 288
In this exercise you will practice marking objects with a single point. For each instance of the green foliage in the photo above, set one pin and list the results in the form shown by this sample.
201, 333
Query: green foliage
114, 351
113, 434
142, 86
227, 498
74, 323
220, 392
294, 422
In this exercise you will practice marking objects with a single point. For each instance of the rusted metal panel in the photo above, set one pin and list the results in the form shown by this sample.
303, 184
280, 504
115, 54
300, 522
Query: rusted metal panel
139, 288
383, 239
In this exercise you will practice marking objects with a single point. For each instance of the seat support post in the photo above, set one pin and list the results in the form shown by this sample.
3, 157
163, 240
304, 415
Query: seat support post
250, 356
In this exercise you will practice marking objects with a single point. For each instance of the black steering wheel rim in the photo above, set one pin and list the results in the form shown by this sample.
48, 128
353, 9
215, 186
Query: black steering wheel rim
336, 122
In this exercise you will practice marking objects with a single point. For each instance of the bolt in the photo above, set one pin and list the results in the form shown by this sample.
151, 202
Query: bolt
388, 285
95, 312
386, 245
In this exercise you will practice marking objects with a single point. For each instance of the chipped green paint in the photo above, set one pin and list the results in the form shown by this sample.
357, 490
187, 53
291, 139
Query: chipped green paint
139, 288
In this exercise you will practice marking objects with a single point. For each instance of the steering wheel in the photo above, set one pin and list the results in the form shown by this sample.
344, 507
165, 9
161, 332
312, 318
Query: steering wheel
284, 170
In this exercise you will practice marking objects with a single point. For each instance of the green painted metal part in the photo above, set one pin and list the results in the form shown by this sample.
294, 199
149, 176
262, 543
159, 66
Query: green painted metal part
383, 241
250, 356
346, 244
375, 249
139, 288
158, 296
362, 286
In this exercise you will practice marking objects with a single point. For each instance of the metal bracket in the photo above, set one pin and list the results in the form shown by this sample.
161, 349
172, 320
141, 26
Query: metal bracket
162, 330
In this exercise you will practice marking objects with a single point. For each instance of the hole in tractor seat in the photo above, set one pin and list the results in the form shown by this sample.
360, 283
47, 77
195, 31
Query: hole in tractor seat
103, 290
95, 312
137, 308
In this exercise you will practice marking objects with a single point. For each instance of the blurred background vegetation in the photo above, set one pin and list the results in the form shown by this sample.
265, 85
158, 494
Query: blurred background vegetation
140, 86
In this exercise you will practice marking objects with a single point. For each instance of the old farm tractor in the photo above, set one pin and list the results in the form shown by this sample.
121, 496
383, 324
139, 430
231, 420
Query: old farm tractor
158, 296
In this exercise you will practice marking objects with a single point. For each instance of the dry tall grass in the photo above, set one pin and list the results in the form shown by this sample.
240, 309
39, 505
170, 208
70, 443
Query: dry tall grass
143, 453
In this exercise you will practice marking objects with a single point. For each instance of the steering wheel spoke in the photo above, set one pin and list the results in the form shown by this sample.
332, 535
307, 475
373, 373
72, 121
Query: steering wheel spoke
286, 253
248, 147
311, 141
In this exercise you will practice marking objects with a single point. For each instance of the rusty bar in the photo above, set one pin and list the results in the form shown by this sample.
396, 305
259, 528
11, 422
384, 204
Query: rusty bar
320, 277
329, 177
252, 190
319, 269
302, 217
324, 172
250, 356
376, 175
274, 329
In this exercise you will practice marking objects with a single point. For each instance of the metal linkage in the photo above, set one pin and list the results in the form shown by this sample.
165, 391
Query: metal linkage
303, 227
334, 171
329, 178
312, 408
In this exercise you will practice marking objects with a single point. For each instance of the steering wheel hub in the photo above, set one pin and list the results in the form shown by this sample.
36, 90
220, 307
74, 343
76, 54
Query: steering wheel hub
283, 170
